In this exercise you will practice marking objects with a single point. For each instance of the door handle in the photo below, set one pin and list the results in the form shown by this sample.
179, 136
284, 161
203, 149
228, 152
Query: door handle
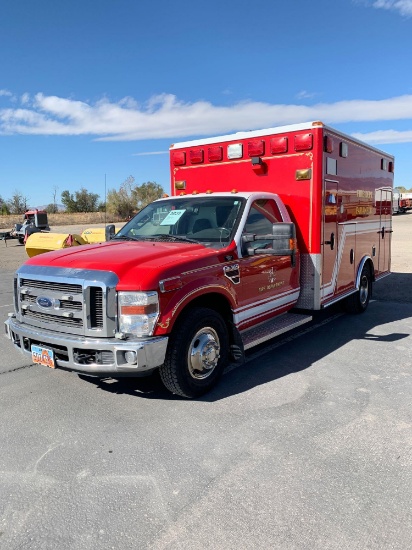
332, 241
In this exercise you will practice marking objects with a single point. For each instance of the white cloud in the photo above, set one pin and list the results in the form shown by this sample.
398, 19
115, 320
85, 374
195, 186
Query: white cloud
305, 95
165, 116
5, 93
385, 136
404, 7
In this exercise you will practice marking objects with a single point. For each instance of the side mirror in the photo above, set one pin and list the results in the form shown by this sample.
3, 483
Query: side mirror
281, 242
110, 232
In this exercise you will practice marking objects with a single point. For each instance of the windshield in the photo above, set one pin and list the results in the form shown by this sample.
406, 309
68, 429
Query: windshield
211, 221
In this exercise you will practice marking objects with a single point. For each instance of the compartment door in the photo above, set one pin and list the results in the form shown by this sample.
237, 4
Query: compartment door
385, 229
330, 238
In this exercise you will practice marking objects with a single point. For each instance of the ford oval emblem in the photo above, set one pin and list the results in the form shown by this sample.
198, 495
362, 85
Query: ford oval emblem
44, 302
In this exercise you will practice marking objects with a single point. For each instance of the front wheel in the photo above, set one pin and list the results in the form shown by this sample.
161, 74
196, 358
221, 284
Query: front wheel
197, 353
359, 301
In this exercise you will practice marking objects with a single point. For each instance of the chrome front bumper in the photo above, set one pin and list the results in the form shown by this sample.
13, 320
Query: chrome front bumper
94, 356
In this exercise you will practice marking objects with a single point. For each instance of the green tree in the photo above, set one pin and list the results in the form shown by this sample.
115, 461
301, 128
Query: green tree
121, 202
52, 208
68, 202
147, 193
4, 209
81, 201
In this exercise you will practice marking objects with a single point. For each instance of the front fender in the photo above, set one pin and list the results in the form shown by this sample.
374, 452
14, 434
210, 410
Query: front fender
172, 303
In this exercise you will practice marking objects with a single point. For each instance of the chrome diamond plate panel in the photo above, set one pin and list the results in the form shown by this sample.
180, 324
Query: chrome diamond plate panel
310, 273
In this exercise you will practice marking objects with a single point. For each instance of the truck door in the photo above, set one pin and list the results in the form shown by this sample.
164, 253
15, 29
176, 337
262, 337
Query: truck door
329, 238
267, 281
385, 229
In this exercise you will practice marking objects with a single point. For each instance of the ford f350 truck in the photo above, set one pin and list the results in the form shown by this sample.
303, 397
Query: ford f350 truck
261, 229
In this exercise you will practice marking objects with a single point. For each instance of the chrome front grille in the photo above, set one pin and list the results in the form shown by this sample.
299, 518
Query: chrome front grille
52, 286
81, 302
53, 319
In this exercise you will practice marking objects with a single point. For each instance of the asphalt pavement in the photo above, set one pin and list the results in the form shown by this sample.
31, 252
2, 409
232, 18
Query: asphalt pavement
305, 446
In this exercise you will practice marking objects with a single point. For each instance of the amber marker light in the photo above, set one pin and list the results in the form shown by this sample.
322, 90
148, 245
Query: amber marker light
180, 184
305, 174
138, 310
209, 192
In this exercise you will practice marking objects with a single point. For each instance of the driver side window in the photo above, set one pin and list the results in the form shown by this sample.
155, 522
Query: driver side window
262, 215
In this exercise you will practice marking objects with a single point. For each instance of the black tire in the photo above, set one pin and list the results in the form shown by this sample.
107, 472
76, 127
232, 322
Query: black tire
21, 240
359, 301
197, 353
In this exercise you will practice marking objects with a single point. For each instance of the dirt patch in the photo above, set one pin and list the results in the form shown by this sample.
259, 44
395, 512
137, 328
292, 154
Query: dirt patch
64, 219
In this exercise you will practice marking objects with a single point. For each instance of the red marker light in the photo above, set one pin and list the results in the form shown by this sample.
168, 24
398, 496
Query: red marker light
179, 158
256, 148
215, 153
196, 156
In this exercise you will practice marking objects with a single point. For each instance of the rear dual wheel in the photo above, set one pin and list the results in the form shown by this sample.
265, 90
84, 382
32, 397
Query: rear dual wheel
359, 301
197, 353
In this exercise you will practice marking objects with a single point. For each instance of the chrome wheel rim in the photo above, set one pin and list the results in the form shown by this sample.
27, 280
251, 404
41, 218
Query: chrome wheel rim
204, 353
364, 290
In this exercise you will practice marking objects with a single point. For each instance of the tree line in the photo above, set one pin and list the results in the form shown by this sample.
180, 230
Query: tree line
123, 202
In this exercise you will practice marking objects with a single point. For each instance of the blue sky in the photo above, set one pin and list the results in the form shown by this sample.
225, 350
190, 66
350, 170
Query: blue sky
99, 89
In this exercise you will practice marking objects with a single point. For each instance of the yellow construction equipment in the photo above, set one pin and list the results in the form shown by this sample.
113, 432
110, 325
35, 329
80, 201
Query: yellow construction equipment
38, 243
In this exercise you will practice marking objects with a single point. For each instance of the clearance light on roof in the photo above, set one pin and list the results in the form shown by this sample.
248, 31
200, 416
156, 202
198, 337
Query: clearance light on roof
235, 151
303, 142
182, 193
317, 123
256, 148
279, 145
179, 158
196, 156
195, 192
165, 196
234, 191
180, 184
209, 192
215, 153
304, 174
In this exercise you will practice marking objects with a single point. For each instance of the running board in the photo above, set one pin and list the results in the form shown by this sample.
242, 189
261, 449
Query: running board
265, 331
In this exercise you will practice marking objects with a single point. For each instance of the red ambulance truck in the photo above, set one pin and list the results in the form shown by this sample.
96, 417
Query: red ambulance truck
262, 228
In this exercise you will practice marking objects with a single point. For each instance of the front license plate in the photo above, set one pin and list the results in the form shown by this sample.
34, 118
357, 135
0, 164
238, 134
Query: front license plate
42, 356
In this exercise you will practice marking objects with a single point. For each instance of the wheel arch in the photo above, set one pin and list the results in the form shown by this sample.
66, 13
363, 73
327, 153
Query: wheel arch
211, 300
366, 260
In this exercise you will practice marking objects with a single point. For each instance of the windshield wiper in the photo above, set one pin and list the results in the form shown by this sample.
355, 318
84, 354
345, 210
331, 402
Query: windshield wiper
175, 238
126, 238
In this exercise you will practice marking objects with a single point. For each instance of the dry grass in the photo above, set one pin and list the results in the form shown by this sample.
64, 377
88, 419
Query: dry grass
62, 218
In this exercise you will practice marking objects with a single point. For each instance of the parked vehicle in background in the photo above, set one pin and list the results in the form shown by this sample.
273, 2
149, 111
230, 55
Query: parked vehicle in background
34, 221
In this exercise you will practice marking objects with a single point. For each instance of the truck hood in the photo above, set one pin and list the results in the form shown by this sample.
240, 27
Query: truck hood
138, 265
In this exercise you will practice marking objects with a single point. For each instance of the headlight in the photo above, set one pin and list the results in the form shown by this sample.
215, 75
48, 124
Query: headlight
138, 312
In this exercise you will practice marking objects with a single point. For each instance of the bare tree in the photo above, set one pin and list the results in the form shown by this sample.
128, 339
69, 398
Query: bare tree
55, 189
